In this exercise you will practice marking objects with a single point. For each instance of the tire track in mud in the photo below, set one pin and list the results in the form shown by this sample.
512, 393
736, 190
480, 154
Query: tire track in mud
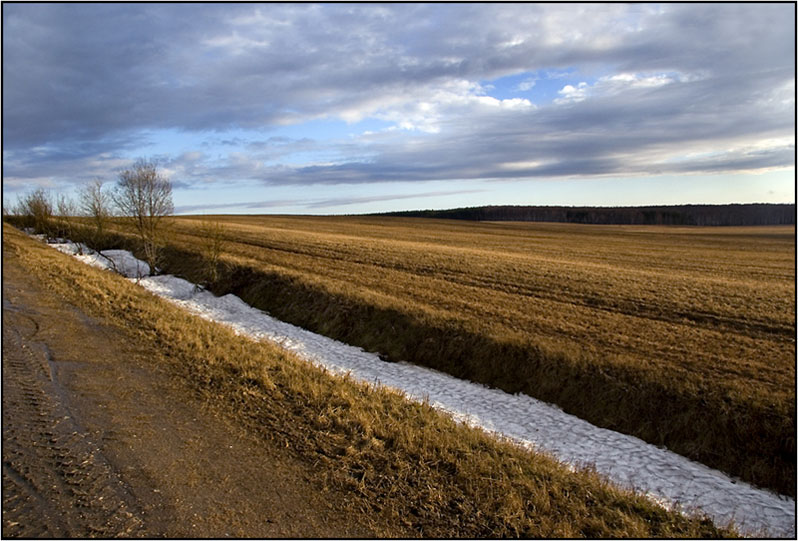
56, 482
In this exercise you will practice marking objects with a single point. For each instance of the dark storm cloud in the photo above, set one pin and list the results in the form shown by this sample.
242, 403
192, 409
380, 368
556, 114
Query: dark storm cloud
83, 83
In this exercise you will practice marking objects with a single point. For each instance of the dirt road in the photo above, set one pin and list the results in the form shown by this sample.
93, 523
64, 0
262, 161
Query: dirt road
98, 440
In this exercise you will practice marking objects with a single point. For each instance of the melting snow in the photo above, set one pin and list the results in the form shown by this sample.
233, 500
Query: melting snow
664, 476
120, 261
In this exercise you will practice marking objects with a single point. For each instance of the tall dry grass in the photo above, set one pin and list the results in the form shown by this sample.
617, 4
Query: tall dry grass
404, 462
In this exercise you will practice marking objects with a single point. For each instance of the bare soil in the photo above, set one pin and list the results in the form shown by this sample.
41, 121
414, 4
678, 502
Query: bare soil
99, 440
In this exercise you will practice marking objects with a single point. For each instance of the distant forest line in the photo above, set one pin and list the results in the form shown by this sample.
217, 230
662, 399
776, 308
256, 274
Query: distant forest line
700, 215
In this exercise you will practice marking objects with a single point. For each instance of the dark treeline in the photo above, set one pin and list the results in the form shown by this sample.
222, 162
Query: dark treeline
736, 214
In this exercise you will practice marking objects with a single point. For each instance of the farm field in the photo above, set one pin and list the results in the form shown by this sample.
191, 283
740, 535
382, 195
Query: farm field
684, 337
401, 467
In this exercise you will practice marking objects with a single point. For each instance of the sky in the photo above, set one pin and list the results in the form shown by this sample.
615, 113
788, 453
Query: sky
360, 108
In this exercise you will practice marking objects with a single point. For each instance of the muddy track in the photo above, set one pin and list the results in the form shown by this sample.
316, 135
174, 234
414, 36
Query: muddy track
100, 439
50, 467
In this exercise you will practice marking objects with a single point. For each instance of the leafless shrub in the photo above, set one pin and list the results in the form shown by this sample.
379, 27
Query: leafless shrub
66, 210
212, 246
37, 209
95, 203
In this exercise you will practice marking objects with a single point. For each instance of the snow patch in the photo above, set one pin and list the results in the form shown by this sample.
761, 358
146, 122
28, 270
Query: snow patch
120, 261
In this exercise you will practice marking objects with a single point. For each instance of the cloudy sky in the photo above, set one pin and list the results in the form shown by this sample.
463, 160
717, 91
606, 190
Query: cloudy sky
342, 108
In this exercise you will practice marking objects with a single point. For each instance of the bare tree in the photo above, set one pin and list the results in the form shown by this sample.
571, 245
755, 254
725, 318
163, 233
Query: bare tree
145, 196
95, 203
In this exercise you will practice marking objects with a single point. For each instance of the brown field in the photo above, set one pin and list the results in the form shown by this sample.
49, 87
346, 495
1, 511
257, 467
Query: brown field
402, 463
684, 337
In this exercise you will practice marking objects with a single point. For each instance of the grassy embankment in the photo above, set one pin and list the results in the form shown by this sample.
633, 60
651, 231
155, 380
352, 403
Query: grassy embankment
684, 337
401, 460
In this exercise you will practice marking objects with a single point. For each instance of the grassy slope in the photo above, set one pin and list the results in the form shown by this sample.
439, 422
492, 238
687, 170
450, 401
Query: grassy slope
399, 459
681, 336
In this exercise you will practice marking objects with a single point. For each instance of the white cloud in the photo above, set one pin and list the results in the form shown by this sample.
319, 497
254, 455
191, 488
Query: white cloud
572, 93
634, 80
516, 166
428, 109
235, 44
610, 85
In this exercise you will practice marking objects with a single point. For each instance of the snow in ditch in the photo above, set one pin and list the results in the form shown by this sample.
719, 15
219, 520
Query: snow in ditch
665, 476
120, 261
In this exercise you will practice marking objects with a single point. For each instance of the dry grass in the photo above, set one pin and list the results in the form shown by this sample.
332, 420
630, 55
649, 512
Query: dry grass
684, 337
402, 461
